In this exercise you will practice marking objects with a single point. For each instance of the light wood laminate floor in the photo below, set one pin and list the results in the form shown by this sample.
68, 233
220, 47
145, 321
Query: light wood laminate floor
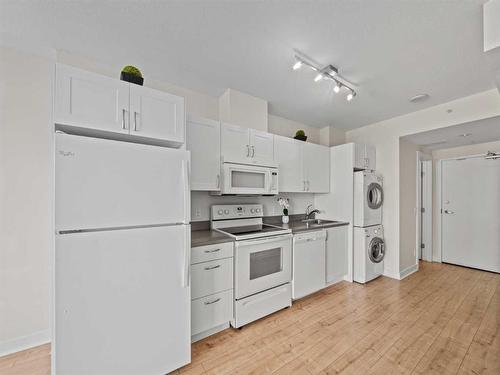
440, 320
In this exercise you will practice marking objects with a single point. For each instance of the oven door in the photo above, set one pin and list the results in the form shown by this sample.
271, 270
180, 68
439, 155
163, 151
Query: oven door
246, 179
261, 264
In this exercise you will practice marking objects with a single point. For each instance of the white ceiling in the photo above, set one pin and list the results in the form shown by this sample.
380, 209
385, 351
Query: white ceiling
391, 49
481, 131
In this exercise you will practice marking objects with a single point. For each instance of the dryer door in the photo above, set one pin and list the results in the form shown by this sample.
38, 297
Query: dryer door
376, 250
374, 195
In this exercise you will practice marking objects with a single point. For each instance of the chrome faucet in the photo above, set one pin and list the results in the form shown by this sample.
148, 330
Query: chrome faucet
310, 212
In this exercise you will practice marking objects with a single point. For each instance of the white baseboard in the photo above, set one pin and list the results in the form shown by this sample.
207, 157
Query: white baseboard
24, 342
408, 271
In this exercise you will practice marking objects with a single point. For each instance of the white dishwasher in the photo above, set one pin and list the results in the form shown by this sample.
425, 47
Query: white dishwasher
309, 263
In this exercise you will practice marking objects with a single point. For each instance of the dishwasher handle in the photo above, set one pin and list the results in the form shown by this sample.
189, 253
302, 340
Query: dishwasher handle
311, 236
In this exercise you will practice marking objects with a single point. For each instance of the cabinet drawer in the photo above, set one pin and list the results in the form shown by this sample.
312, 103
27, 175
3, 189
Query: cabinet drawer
212, 311
211, 252
211, 277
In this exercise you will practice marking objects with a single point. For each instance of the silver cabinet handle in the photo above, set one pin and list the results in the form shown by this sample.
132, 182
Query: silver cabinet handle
135, 121
449, 212
212, 267
308, 184
212, 302
218, 181
248, 151
124, 127
253, 151
304, 188
212, 251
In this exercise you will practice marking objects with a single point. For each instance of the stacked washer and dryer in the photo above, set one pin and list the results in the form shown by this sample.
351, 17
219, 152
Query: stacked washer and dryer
369, 245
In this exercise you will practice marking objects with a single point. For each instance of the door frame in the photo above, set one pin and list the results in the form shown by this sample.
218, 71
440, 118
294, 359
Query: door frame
421, 156
438, 251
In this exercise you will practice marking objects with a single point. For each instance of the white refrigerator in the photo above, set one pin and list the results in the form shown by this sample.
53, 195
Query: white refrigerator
121, 293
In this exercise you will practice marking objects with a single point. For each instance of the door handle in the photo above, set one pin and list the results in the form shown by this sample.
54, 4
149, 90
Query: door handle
212, 302
212, 267
449, 212
124, 127
135, 121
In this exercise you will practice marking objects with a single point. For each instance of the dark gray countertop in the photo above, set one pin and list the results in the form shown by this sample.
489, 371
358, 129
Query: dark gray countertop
208, 237
201, 235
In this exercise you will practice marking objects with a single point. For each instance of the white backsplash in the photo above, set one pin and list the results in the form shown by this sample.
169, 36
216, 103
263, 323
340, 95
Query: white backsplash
202, 200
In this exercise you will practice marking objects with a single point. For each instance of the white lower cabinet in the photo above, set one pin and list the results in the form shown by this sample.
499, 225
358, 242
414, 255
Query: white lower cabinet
336, 254
210, 277
210, 312
211, 289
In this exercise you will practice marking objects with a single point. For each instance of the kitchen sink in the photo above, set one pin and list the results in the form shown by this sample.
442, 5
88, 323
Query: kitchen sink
317, 222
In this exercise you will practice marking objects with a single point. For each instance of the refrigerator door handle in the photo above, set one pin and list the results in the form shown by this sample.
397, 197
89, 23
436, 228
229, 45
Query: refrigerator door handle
187, 258
187, 190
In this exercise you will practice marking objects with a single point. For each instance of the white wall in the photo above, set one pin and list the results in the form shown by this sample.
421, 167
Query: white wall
455, 152
287, 128
245, 110
385, 137
26, 175
407, 205
201, 202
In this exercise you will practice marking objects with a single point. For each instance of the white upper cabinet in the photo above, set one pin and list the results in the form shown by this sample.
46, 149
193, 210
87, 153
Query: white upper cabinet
316, 165
288, 153
156, 114
235, 144
303, 167
364, 156
248, 146
203, 140
90, 100
261, 147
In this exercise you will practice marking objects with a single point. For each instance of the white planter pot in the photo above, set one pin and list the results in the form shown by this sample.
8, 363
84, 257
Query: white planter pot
285, 219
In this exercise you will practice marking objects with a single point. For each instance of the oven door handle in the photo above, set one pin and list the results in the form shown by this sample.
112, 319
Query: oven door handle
259, 241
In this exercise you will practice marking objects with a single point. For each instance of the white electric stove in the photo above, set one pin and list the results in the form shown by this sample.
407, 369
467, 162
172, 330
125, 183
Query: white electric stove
262, 261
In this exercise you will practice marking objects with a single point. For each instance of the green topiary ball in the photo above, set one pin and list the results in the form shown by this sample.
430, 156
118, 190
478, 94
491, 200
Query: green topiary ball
132, 70
300, 133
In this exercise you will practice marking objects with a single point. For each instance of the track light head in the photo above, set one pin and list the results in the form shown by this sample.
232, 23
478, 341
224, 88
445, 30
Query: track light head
350, 96
297, 65
336, 88
318, 78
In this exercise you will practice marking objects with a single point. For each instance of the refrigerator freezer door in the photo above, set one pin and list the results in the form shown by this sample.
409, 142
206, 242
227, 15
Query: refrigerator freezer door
122, 301
102, 183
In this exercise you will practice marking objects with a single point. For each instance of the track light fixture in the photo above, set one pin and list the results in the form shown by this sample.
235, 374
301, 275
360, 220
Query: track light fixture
329, 72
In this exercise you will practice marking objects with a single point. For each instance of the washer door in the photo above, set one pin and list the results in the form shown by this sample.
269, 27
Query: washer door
376, 250
374, 195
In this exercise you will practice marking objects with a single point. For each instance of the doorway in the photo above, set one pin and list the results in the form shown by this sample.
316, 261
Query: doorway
470, 212
424, 207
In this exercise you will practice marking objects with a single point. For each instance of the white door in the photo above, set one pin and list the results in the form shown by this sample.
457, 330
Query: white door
308, 264
426, 211
337, 263
106, 184
235, 144
156, 114
471, 213
288, 156
90, 100
262, 147
371, 157
122, 301
203, 141
316, 166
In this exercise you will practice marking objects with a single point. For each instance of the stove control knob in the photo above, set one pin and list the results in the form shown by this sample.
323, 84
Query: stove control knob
226, 212
252, 210
219, 212
257, 210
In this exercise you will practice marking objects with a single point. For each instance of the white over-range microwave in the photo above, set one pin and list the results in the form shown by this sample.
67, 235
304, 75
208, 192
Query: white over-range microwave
242, 179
